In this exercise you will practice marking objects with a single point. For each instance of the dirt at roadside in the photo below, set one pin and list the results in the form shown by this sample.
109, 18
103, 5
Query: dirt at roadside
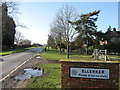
10, 82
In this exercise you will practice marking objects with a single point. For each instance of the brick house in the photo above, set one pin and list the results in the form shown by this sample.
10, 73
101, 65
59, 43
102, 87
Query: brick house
113, 41
113, 37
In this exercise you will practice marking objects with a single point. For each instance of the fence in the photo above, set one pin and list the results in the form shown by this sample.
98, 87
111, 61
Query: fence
100, 54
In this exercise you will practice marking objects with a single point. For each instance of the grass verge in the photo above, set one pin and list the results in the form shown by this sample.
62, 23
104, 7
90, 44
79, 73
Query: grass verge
50, 80
15, 51
52, 54
57, 55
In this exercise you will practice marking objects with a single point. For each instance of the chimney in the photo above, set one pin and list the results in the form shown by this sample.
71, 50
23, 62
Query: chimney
114, 29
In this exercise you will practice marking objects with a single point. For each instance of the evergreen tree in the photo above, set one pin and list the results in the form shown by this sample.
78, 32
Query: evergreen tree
86, 26
8, 28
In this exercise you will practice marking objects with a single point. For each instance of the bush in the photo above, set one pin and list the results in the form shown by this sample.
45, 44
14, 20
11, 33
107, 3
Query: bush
113, 47
100, 47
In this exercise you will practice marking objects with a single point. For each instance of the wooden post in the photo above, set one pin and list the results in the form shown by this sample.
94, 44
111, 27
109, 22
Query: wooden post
105, 55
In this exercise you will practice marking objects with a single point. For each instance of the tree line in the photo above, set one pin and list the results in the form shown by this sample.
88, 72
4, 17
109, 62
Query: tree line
10, 37
72, 31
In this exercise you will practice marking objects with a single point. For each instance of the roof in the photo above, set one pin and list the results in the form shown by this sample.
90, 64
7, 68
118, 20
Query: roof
114, 34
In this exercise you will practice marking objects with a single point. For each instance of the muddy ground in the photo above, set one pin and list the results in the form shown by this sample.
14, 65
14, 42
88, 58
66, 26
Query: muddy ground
10, 82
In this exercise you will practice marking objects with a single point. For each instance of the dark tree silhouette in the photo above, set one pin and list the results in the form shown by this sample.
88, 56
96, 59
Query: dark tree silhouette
8, 28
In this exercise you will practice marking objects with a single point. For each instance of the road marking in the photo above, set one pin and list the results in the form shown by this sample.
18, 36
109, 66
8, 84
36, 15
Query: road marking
17, 68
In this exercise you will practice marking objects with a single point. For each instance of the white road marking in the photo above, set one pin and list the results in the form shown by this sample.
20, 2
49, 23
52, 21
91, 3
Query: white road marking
17, 68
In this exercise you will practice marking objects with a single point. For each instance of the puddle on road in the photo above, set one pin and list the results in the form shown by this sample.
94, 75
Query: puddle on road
28, 73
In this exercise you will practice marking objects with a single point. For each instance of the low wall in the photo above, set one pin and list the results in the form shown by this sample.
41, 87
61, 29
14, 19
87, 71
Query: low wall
88, 74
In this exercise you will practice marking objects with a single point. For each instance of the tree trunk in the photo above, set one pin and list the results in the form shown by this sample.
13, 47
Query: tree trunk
87, 47
60, 48
67, 51
87, 50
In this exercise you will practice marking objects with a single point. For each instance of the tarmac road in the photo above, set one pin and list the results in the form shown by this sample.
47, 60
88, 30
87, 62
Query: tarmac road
12, 61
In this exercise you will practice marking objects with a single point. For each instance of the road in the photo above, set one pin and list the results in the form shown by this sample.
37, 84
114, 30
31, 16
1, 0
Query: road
12, 61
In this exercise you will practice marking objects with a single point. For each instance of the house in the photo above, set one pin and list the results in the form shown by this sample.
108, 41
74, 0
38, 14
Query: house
113, 36
113, 41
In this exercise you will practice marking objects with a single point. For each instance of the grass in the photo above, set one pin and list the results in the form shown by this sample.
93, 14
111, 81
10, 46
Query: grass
56, 55
114, 57
51, 80
52, 54
15, 51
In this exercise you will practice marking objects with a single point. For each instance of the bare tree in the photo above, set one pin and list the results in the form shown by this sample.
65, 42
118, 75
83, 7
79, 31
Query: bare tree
56, 32
13, 9
18, 37
62, 27
25, 42
51, 41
